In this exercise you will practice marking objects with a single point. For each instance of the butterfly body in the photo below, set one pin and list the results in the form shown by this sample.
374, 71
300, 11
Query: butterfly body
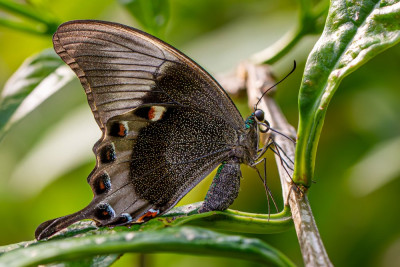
166, 124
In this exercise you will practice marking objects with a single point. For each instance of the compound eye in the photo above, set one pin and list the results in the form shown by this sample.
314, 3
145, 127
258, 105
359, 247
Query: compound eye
259, 114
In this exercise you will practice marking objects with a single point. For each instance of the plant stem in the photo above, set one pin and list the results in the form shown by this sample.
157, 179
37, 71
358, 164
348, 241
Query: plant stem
258, 79
21, 26
280, 48
309, 22
29, 12
311, 245
312, 248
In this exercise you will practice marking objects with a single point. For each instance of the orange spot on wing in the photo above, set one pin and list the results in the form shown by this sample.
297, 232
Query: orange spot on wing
102, 185
151, 113
148, 214
122, 130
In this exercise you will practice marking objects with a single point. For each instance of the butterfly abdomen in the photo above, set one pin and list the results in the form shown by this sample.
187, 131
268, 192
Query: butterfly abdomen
224, 188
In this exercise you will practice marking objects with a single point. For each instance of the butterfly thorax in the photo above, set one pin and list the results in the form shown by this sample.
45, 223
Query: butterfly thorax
248, 141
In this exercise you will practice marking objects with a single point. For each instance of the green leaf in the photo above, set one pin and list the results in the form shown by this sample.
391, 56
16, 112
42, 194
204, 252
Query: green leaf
38, 78
355, 32
229, 220
46, 22
152, 14
100, 260
7, 248
189, 240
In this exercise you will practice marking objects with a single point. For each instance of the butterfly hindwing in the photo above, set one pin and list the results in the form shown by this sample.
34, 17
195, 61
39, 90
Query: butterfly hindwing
164, 169
167, 159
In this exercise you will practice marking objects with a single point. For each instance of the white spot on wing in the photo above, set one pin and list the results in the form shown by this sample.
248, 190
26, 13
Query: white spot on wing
156, 113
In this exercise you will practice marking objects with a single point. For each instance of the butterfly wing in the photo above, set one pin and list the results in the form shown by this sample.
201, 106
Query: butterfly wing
119, 66
166, 122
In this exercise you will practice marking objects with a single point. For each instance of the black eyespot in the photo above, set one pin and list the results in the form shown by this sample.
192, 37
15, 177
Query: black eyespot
259, 115
143, 112
107, 154
104, 212
102, 183
124, 218
118, 129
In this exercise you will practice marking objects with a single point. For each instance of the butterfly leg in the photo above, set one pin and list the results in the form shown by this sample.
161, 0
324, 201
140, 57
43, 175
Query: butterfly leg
224, 188
261, 151
268, 191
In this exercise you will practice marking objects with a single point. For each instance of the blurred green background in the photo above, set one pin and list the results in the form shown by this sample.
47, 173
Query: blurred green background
45, 159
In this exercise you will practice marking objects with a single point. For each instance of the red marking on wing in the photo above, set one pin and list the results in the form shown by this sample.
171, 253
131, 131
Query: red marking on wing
102, 185
152, 112
121, 130
148, 214
108, 155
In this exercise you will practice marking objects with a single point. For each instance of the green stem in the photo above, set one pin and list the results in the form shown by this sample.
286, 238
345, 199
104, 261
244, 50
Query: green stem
321, 9
21, 26
309, 20
242, 222
280, 48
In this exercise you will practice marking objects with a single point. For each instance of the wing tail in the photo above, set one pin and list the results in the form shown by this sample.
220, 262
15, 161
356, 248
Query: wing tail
50, 227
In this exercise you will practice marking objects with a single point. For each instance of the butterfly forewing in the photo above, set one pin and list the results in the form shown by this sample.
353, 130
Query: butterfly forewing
119, 66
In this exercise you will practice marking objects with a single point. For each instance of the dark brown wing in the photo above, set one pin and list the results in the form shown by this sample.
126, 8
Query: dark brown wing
119, 67
166, 122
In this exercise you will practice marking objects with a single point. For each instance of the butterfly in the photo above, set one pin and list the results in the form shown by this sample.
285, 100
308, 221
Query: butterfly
165, 122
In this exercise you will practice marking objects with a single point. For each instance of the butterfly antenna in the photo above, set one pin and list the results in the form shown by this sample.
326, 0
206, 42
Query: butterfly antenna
287, 75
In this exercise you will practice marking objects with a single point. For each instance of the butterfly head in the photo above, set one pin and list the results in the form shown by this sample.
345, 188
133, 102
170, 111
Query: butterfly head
257, 119
259, 115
